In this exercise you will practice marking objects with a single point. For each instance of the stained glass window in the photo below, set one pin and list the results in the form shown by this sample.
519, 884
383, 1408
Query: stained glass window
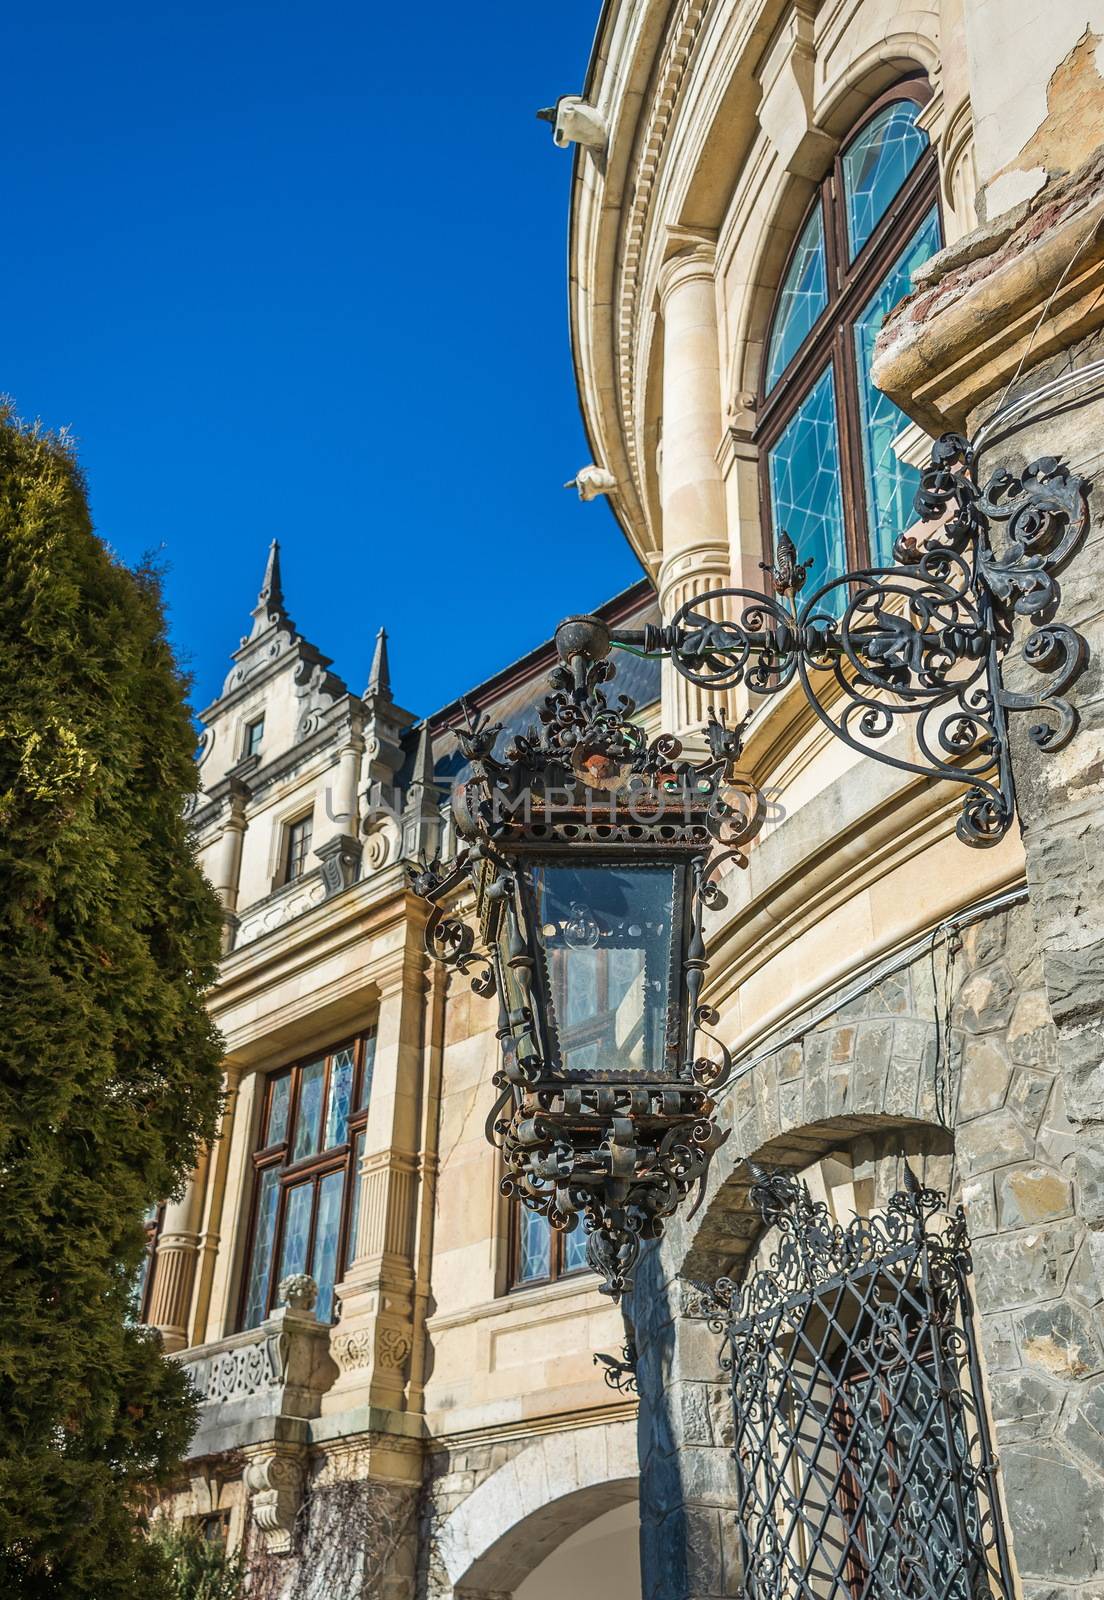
340, 1093
310, 1147
279, 1104
308, 1113
875, 165
331, 1192
368, 1046
534, 1246
831, 478
574, 1251
806, 497
260, 1260
890, 484
295, 1250
542, 1252
354, 1205
803, 296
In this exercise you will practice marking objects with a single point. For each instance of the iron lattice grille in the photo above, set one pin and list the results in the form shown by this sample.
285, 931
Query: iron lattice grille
864, 1463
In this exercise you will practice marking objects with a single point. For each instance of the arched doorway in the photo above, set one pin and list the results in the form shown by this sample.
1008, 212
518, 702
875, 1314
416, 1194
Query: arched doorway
559, 1518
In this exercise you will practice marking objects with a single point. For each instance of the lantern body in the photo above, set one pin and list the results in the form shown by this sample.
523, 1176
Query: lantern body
609, 937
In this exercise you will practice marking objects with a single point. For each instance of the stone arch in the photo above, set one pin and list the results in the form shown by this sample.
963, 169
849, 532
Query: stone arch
871, 72
873, 1070
521, 1512
725, 1238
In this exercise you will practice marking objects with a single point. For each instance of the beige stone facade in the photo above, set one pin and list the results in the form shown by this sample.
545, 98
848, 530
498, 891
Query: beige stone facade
888, 992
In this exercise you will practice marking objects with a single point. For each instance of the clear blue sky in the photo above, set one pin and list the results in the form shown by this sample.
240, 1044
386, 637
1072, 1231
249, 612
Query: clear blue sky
302, 273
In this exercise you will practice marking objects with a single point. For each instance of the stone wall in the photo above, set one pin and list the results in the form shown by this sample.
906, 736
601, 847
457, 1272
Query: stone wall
955, 1065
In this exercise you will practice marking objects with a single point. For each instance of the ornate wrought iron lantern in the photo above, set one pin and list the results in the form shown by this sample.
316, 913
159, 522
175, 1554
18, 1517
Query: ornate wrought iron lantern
592, 853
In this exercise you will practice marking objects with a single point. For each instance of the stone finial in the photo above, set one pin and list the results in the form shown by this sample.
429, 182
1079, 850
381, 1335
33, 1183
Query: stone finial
421, 819
422, 776
379, 678
592, 481
298, 1292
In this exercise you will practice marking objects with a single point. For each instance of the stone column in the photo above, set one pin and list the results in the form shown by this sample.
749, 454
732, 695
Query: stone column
688, 1535
695, 537
174, 1265
227, 866
211, 1226
339, 846
374, 1340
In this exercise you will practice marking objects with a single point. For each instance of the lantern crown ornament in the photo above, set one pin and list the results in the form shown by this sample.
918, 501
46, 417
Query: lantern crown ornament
592, 853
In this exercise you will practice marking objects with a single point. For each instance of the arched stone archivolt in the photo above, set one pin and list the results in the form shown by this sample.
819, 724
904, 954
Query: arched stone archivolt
875, 1071
524, 1510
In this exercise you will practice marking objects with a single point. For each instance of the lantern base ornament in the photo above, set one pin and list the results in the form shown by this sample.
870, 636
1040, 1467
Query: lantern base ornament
919, 645
593, 854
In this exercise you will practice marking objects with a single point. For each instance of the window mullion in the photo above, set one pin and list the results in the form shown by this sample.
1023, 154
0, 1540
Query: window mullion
855, 532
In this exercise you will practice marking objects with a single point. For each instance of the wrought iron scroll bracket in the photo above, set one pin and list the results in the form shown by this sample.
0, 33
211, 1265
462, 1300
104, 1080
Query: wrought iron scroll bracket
921, 645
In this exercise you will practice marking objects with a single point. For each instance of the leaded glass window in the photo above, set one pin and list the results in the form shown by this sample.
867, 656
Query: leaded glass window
307, 1175
806, 497
875, 164
542, 1253
890, 483
803, 296
831, 477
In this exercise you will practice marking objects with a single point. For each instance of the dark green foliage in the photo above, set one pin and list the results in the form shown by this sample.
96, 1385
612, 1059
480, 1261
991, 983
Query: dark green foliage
199, 1568
108, 1061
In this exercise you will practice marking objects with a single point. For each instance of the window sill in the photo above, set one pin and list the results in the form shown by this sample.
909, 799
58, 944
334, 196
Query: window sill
582, 1286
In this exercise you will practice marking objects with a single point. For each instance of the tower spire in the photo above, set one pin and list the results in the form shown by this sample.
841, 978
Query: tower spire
379, 678
270, 600
271, 588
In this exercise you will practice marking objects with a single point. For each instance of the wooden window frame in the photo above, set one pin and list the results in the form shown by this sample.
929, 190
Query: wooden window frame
249, 749
310, 1169
290, 846
830, 345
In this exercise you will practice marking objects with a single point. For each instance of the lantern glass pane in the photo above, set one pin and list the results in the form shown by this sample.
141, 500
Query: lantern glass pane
606, 936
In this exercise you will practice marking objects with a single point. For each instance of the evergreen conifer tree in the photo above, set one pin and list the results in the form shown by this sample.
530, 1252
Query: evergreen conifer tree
109, 1064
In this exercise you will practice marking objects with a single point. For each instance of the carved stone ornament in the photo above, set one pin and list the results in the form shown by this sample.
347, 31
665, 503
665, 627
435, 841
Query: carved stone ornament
352, 1350
241, 1372
613, 1150
340, 858
274, 1481
298, 1292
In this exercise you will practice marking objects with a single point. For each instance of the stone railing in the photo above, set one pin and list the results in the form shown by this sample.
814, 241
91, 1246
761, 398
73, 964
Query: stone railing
258, 1392
239, 1368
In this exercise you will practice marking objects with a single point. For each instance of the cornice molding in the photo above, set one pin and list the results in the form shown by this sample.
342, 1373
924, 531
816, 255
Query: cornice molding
669, 82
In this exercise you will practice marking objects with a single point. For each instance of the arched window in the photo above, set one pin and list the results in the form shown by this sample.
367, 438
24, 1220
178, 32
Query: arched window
830, 476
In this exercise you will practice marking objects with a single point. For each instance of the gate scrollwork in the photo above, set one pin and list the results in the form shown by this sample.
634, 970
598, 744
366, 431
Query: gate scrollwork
864, 1464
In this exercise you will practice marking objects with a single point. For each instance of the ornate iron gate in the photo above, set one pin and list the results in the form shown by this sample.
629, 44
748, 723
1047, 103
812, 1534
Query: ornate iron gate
862, 1449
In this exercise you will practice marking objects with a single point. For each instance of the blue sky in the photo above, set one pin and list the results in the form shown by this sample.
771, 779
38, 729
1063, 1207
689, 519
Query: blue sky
301, 274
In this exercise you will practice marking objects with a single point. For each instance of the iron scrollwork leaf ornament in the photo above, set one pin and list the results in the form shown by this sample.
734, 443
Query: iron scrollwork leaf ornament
905, 663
